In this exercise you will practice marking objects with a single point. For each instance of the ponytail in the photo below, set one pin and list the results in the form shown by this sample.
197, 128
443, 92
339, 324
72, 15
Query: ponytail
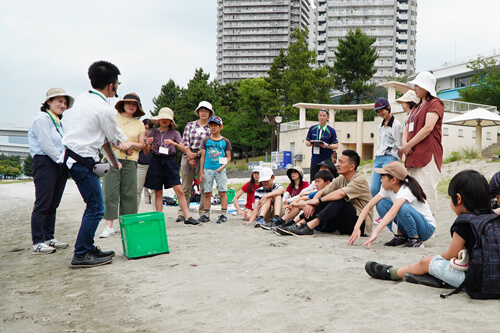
415, 188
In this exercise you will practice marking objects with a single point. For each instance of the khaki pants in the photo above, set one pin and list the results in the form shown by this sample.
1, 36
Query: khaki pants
120, 190
187, 183
149, 195
428, 178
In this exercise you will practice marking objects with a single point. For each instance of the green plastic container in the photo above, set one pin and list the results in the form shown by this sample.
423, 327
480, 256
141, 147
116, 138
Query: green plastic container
143, 234
230, 195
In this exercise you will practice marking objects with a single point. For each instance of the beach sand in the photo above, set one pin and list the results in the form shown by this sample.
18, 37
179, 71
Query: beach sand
223, 278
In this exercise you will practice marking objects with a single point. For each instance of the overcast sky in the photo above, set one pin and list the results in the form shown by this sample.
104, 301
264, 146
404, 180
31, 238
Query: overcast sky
51, 43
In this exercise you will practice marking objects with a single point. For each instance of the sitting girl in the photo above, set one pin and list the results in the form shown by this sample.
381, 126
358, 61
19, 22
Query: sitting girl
249, 188
297, 184
469, 192
401, 200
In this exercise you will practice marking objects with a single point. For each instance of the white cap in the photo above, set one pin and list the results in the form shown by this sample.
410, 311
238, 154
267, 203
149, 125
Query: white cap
265, 174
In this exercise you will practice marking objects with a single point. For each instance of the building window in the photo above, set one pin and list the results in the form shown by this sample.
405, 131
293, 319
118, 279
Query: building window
463, 81
445, 131
460, 133
473, 134
488, 135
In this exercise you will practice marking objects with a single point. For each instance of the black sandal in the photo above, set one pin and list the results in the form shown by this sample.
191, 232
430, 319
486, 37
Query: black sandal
378, 271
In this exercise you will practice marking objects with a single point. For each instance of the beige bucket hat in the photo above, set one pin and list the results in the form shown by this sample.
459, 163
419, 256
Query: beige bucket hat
164, 113
55, 92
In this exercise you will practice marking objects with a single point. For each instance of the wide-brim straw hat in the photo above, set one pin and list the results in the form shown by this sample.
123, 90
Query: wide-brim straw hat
132, 97
164, 113
408, 97
424, 80
56, 92
206, 105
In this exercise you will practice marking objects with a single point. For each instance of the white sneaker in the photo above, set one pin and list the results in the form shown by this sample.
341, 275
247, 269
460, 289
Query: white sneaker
42, 248
56, 244
108, 232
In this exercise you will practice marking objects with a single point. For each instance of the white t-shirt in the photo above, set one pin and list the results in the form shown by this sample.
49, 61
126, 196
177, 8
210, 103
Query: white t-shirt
405, 193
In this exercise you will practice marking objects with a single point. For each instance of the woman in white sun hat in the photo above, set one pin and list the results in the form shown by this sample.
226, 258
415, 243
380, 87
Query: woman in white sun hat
408, 101
46, 147
422, 137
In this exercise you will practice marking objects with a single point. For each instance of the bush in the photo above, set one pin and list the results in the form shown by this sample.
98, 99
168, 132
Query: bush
470, 153
454, 156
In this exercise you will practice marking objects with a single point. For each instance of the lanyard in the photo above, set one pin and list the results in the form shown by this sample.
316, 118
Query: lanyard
93, 92
55, 124
321, 130
414, 114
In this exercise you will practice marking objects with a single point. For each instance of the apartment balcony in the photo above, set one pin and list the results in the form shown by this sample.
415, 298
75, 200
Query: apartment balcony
401, 26
321, 38
401, 36
401, 67
401, 16
403, 6
403, 47
401, 57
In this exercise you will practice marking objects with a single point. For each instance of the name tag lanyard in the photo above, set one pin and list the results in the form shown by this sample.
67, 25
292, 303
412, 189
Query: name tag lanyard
414, 116
55, 124
321, 131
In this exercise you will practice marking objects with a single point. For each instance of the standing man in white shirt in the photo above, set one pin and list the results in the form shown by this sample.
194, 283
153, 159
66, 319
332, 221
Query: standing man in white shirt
91, 125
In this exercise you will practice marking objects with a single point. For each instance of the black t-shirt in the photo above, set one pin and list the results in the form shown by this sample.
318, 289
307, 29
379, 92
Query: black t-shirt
464, 230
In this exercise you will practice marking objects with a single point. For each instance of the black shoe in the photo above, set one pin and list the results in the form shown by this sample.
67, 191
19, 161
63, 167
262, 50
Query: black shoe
284, 230
204, 218
98, 253
301, 231
378, 271
222, 218
180, 218
397, 241
192, 222
89, 260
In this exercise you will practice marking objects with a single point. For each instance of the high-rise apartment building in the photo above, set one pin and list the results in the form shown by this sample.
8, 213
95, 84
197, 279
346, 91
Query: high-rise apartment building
392, 22
250, 34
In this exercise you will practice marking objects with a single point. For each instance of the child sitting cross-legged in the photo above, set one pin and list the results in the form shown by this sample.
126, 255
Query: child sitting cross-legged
267, 199
321, 179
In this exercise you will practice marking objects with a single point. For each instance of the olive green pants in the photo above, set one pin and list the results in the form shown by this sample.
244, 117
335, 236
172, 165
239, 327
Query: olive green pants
119, 188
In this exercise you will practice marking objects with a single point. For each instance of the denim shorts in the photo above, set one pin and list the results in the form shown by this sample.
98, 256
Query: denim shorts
441, 268
219, 177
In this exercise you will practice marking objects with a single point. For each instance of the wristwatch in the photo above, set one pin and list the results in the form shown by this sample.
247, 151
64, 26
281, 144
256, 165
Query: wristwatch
198, 155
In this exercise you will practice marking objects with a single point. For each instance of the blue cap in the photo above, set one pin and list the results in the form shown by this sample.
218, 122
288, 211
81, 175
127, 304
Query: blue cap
215, 119
381, 103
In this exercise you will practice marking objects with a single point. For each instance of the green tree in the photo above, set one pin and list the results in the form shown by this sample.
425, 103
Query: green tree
170, 96
295, 77
485, 83
354, 65
252, 134
28, 166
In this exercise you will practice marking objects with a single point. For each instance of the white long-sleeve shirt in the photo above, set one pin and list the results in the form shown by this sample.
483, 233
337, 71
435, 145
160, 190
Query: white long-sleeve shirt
89, 123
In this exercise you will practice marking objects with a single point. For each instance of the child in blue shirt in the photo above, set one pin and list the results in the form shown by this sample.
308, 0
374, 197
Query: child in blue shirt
215, 155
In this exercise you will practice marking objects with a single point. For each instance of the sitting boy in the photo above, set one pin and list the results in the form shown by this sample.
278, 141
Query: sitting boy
322, 178
267, 199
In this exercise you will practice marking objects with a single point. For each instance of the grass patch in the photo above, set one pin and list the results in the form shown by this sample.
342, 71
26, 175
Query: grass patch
496, 152
242, 165
443, 186
14, 181
466, 153
366, 162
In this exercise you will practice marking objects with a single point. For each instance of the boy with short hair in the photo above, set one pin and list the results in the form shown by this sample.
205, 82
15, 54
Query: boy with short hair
322, 179
215, 155
267, 199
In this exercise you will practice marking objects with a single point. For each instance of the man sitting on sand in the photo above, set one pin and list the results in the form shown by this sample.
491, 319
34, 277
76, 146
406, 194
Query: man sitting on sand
337, 206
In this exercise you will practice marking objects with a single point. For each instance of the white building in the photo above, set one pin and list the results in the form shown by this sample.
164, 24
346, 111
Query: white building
392, 22
250, 34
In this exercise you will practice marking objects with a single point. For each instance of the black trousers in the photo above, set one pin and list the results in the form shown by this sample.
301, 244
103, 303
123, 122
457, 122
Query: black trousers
339, 215
50, 180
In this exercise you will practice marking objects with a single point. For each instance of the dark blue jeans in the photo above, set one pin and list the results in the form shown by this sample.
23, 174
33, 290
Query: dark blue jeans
50, 180
90, 188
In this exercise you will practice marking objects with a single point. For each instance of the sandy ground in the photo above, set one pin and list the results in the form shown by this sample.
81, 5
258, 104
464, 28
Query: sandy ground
222, 278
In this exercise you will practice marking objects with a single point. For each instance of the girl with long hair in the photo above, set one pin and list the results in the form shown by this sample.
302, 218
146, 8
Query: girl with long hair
403, 202
249, 188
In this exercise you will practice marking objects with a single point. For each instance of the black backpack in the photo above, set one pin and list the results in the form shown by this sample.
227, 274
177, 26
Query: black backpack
482, 279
